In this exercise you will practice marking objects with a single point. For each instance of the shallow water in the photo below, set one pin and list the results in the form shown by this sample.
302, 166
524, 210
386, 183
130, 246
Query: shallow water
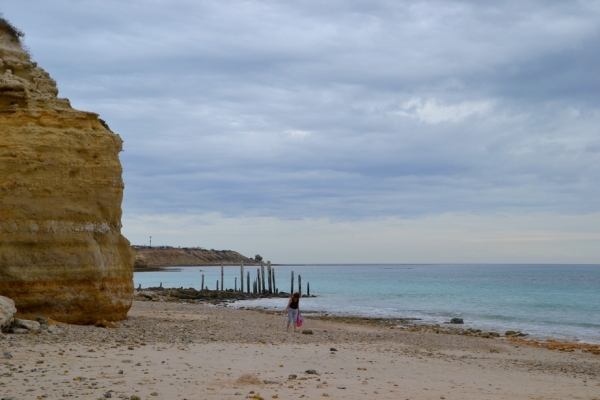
558, 301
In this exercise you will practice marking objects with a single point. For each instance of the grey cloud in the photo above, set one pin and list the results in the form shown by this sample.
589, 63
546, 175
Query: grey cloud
208, 97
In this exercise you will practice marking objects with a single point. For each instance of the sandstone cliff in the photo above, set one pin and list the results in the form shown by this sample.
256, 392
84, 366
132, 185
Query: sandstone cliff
153, 256
62, 254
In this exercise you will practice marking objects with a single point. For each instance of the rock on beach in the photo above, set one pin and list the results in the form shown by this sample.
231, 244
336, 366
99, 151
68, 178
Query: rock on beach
7, 312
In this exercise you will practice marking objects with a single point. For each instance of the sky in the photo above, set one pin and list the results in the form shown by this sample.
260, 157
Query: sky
343, 131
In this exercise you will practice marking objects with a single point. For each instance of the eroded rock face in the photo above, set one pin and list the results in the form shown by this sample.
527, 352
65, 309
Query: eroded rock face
62, 254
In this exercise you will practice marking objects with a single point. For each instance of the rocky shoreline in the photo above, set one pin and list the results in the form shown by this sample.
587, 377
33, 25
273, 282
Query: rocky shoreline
452, 327
214, 297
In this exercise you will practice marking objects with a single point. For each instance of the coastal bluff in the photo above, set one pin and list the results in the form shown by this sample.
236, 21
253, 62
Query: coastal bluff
62, 255
165, 256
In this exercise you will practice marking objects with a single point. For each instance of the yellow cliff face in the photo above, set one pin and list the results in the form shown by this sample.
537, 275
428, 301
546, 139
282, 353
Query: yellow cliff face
62, 254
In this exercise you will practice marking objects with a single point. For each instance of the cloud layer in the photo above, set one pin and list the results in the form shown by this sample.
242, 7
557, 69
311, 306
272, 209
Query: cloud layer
345, 111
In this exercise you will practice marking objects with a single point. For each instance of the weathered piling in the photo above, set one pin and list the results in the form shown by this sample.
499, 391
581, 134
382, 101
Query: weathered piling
235, 285
222, 277
308, 289
270, 283
292, 288
217, 289
262, 270
258, 279
242, 277
300, 284
202, 286
273, 277
248, 281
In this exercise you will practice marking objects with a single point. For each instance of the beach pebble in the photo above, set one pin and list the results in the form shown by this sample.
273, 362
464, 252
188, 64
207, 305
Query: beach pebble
311, 371
341, 387
292, 376
102, 323
54, 329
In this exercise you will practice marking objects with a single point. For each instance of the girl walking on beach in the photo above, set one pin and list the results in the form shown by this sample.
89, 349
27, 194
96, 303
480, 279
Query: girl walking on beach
292, 310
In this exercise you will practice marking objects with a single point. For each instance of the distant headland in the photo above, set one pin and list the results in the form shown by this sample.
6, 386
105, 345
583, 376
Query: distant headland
147, 257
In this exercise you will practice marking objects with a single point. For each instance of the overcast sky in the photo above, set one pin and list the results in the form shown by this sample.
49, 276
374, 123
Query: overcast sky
343, 131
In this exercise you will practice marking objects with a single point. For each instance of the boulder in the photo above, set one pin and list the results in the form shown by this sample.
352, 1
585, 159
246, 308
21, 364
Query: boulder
515, 334
27, 324
7, 311
456, 321
62, 254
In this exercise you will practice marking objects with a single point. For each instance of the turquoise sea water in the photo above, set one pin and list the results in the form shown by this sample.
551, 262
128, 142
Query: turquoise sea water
546, 301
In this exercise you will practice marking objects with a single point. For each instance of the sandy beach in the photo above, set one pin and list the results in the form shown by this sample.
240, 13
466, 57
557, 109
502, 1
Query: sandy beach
194, 351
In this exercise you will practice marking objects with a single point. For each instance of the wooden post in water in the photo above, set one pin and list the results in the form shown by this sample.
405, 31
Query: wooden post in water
270, 277
235, 285
300, 284
242, 277
254, 286
292, 288
262, 270
258, 280
217, 289
221, 276
273, 276
270, 282
202, 287
308, 289
248, 281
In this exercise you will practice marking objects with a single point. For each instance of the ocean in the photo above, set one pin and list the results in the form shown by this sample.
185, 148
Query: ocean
546, 301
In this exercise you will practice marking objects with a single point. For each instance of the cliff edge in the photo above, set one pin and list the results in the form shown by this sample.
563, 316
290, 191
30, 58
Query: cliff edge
62, 254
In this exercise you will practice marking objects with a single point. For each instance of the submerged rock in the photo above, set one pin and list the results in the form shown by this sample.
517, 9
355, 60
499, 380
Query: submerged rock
62, 254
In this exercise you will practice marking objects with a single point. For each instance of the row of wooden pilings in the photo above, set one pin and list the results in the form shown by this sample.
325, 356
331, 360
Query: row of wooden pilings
264, 283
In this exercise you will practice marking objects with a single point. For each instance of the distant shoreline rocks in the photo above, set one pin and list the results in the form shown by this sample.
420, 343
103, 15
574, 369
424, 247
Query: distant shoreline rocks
202, 296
